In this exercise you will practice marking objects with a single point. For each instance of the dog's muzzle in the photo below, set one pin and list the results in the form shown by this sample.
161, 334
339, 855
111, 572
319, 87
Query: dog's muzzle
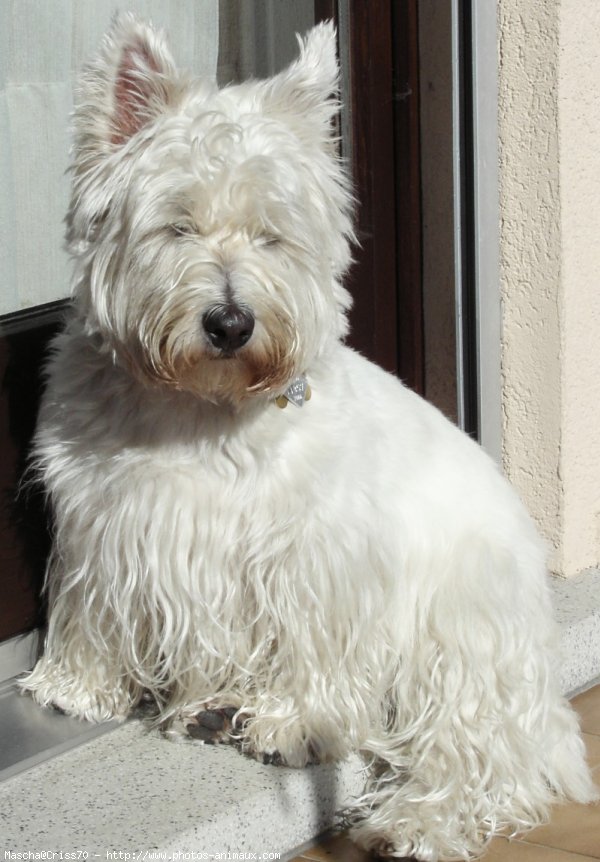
228, 327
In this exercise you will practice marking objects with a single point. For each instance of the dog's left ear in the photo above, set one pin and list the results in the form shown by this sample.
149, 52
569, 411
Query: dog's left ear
310, 86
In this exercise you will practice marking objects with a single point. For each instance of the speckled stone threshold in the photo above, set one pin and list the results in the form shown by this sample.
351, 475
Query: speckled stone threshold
577, 609
132, 792
135, 792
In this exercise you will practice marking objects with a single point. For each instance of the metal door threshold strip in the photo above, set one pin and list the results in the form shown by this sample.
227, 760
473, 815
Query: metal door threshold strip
30, 735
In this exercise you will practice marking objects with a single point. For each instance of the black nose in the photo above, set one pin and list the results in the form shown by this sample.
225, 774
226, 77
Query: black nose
228, 327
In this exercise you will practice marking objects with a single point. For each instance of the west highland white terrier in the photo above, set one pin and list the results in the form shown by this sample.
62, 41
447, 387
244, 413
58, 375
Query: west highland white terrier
348, 574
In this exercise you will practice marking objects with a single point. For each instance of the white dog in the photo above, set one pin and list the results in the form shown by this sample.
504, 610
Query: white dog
354, 575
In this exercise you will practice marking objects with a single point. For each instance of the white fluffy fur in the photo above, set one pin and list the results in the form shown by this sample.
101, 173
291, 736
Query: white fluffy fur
354, 575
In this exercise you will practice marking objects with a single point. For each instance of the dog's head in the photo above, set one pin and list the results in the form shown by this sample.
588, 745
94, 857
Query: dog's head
210, 227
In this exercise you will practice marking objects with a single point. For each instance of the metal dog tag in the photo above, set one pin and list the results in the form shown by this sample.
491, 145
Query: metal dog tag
297, 392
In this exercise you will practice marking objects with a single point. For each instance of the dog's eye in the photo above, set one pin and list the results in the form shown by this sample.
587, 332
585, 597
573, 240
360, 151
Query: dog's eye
183, 229
269, 240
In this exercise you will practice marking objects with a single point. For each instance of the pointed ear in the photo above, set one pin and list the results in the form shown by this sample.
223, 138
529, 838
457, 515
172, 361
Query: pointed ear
130, 83
310, 86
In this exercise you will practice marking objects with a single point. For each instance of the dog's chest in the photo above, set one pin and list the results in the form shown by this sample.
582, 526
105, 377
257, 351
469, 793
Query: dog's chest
206, 505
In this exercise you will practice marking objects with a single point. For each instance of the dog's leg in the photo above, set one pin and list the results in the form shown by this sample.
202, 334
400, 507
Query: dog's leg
478, 738
97, 694
75, 675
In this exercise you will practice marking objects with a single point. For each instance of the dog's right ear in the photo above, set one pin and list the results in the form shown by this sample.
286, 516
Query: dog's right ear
132, 81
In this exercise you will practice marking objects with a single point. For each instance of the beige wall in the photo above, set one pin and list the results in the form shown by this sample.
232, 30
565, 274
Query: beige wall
549, 129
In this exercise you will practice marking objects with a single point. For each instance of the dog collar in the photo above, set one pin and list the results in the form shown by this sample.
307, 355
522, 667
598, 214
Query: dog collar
297, 393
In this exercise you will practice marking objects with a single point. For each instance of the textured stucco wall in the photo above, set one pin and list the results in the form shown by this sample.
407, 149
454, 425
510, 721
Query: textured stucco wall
549, 192
530, 261
579, 147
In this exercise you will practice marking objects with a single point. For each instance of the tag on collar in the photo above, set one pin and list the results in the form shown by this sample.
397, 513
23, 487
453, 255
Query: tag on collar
297, 393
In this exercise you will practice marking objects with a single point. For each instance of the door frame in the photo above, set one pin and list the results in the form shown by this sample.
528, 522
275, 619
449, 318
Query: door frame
486, 225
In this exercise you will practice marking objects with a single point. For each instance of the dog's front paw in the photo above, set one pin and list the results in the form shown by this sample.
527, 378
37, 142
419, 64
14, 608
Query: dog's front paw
214, 726
52, 685
293, 752
210, 725
227, 725
84, 705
